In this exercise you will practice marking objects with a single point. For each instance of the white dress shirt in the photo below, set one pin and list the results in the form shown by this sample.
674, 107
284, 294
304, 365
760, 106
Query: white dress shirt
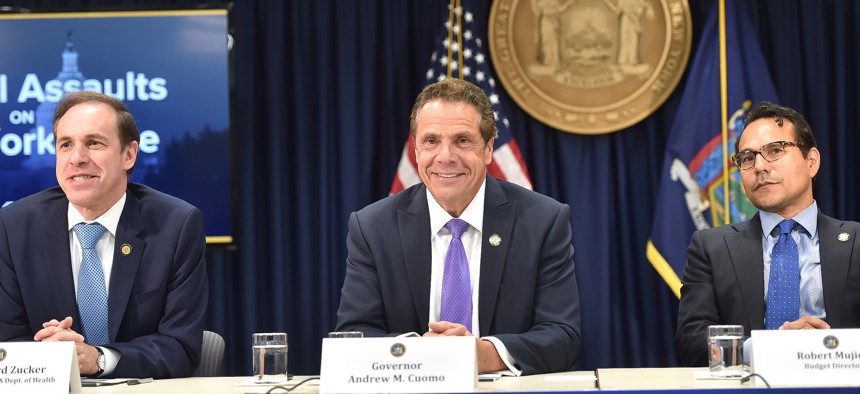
471, 238
104, 249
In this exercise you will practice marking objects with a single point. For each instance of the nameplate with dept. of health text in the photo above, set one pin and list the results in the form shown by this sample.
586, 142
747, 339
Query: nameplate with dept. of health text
39, 367
398, 365
807, 358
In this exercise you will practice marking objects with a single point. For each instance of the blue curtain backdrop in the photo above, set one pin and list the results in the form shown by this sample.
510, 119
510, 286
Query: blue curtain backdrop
321, 97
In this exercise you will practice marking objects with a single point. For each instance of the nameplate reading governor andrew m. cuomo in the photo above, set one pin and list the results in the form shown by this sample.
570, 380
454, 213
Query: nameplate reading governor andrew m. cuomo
398, 365
808, 358
590, 66
39, 367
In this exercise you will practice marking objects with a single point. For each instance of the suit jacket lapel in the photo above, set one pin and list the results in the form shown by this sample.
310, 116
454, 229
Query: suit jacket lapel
835, 257
498, 220
417, 256
745, 250
128, 251
57, 258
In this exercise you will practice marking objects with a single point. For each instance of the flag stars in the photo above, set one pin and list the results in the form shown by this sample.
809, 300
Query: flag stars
443, 60
467, 53
467, 71
467, 35
495, 116
469, 17
492, 82
479, 76
479, 58
494, 98
429, 73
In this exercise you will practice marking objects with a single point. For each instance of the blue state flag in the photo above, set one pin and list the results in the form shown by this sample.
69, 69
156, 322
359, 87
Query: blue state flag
692, 194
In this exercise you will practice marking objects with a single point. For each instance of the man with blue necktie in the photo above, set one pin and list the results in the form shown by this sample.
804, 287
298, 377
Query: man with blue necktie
790, 266
464, 253
114, 266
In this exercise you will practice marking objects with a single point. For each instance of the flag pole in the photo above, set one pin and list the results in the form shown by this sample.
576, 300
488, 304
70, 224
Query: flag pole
459, 39
451, 6
724, 111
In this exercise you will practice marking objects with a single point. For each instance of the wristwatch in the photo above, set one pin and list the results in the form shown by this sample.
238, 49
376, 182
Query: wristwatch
100, 362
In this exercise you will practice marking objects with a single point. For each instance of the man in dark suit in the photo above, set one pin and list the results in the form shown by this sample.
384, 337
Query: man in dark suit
733, 275
149, 259
519, 274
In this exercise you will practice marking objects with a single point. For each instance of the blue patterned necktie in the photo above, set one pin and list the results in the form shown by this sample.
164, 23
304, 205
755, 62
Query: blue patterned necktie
456, 281
92, 294
783, 288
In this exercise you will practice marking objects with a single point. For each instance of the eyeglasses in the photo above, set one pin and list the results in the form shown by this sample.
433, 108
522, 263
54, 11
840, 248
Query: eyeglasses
770, 152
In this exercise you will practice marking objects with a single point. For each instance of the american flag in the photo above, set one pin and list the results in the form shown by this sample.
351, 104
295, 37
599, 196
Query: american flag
507, 162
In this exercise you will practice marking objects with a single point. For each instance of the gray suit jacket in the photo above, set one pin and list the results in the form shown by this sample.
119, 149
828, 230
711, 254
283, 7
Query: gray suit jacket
724, 282
528, 294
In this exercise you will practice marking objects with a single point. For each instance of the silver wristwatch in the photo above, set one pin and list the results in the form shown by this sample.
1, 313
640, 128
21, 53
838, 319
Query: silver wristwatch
100, 361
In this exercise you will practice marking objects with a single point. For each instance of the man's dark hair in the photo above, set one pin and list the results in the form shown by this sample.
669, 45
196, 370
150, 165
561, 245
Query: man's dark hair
803, 136
124, 121
454, 90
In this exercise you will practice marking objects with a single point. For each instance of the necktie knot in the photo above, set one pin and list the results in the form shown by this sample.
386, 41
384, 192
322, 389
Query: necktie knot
457, 227
787, 225
89, 234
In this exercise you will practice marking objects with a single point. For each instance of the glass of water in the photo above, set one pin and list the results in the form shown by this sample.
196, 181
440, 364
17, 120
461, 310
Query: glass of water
270, 357
726, 351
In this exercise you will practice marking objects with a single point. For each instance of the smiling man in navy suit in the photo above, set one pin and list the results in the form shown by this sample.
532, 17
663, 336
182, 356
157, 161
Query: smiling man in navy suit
517, 293
146, 317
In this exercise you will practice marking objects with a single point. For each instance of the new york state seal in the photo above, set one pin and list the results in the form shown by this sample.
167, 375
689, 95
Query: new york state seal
590, 66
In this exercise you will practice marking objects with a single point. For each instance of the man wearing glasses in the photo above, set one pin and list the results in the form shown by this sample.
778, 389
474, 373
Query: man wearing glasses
790, 266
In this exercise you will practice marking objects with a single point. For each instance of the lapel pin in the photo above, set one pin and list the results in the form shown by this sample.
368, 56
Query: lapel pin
125, 249
843, 237
495, 240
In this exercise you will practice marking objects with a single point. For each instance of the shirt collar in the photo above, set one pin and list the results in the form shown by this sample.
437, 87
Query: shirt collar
109, 219
473, 214
808, 219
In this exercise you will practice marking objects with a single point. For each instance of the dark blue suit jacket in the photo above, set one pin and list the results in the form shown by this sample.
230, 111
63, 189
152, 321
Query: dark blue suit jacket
528, 293
158, 292
724, 282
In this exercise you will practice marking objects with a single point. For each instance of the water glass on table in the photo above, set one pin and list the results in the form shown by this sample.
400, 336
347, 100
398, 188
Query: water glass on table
726, 351
270, 357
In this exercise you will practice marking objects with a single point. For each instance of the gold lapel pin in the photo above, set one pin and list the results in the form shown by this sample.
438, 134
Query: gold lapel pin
843, 237
125, 249
495, 240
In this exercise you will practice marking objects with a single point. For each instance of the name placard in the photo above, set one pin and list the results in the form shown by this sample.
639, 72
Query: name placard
808, 358
398, 365
39, 367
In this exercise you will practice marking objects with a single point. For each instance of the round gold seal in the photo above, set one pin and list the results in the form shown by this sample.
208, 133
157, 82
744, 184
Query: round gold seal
590, 66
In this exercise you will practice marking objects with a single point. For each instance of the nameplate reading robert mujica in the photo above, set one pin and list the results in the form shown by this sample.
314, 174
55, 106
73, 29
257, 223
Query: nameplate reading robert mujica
835, 360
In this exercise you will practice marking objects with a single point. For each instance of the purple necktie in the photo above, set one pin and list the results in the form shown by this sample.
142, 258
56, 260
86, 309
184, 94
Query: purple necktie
783, 294
456, 282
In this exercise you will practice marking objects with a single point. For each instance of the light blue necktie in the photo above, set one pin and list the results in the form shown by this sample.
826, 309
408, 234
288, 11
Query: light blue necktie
456, 282
783, 286
92, 294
